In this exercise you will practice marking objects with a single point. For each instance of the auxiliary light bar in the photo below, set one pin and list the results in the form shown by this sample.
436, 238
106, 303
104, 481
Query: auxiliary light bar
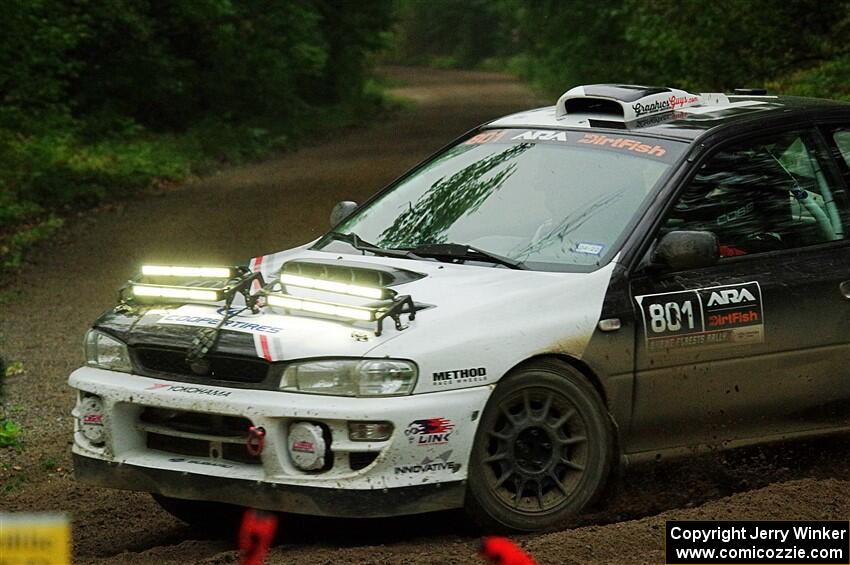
141, 290
188, 272
321, 307
338, 287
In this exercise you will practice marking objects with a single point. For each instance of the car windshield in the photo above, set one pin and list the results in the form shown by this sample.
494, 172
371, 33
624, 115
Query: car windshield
550, 199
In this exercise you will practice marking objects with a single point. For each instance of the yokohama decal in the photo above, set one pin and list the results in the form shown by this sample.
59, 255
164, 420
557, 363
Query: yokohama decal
714, 316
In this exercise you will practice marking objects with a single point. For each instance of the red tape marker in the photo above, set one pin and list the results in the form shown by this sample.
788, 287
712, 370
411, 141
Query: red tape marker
256, 536
503, 551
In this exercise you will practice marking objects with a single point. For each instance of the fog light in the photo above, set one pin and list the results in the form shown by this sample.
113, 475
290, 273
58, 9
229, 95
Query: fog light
370, 431
307, 446
91, 419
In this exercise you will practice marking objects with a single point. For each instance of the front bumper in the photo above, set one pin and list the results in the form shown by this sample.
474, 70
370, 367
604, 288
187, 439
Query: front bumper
403, 476
339, 503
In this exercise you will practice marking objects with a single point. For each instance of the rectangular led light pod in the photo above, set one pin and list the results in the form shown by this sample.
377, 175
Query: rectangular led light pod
320, 307
373, 292
188, 272
152, 291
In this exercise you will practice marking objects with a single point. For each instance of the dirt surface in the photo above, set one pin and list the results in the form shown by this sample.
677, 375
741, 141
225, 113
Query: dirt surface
285, 201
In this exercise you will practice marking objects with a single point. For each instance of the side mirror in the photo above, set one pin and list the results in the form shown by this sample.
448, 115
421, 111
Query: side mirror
682, 250
341, 211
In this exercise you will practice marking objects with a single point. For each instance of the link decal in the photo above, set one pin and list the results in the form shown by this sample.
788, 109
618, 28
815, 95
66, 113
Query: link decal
714, 316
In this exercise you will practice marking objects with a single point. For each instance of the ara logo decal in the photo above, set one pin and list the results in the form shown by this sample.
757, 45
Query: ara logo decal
431, 431
441, 463
731, 295
541, 135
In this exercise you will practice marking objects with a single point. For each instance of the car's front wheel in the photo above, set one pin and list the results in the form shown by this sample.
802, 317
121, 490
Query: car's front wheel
543, 451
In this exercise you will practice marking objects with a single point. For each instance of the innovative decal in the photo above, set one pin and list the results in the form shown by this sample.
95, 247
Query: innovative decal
460, 376
431, 431
726, 315
441, 463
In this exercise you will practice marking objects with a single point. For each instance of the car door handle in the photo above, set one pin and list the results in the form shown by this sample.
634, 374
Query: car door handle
845, 289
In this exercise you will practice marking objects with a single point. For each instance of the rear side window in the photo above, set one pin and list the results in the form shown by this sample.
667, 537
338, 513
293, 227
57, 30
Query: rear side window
842, 140
764, 195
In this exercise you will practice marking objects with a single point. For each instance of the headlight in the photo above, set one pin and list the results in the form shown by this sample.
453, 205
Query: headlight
351, 377
105, 352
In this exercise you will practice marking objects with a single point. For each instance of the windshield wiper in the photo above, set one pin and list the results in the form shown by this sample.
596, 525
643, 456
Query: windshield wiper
463, 252
359, 244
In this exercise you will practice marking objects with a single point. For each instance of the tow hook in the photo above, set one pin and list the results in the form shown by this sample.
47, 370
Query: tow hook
256, 440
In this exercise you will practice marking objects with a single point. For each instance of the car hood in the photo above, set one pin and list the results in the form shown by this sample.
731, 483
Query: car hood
467, 314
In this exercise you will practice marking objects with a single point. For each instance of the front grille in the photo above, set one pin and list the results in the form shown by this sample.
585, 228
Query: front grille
215, 366
197, 434
197, 422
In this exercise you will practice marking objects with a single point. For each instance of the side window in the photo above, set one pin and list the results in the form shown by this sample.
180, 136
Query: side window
842, 140
763, 195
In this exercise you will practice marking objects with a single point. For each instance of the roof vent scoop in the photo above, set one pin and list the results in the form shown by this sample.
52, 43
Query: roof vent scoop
628, 102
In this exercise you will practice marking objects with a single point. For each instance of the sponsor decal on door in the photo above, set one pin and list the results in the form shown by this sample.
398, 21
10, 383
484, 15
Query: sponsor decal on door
727, 315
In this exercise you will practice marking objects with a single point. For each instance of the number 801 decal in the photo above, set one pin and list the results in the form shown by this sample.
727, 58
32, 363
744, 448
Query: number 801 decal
719, 315
672, 314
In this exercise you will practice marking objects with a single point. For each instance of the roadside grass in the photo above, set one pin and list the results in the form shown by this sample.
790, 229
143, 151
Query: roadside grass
49, 463
10, 296
14, 484
11, 432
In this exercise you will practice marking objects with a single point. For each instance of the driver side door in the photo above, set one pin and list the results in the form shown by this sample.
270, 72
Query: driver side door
756, 345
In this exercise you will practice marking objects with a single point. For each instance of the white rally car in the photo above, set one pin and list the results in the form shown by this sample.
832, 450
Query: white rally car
633, 272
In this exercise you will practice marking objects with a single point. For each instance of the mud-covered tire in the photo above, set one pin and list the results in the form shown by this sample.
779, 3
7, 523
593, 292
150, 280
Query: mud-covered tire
215, 516
543, 451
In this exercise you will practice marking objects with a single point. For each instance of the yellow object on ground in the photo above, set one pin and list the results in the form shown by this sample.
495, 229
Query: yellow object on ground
35, 538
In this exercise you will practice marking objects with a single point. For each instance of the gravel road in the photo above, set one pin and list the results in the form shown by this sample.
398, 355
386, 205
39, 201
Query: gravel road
251, 210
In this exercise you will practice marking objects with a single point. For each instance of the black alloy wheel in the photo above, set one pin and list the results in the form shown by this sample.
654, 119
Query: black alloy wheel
543, 449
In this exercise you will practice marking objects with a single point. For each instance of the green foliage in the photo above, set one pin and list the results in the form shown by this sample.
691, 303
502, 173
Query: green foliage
795, 47
48, 463
10, 434
99, 98
13, 370
451, 33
